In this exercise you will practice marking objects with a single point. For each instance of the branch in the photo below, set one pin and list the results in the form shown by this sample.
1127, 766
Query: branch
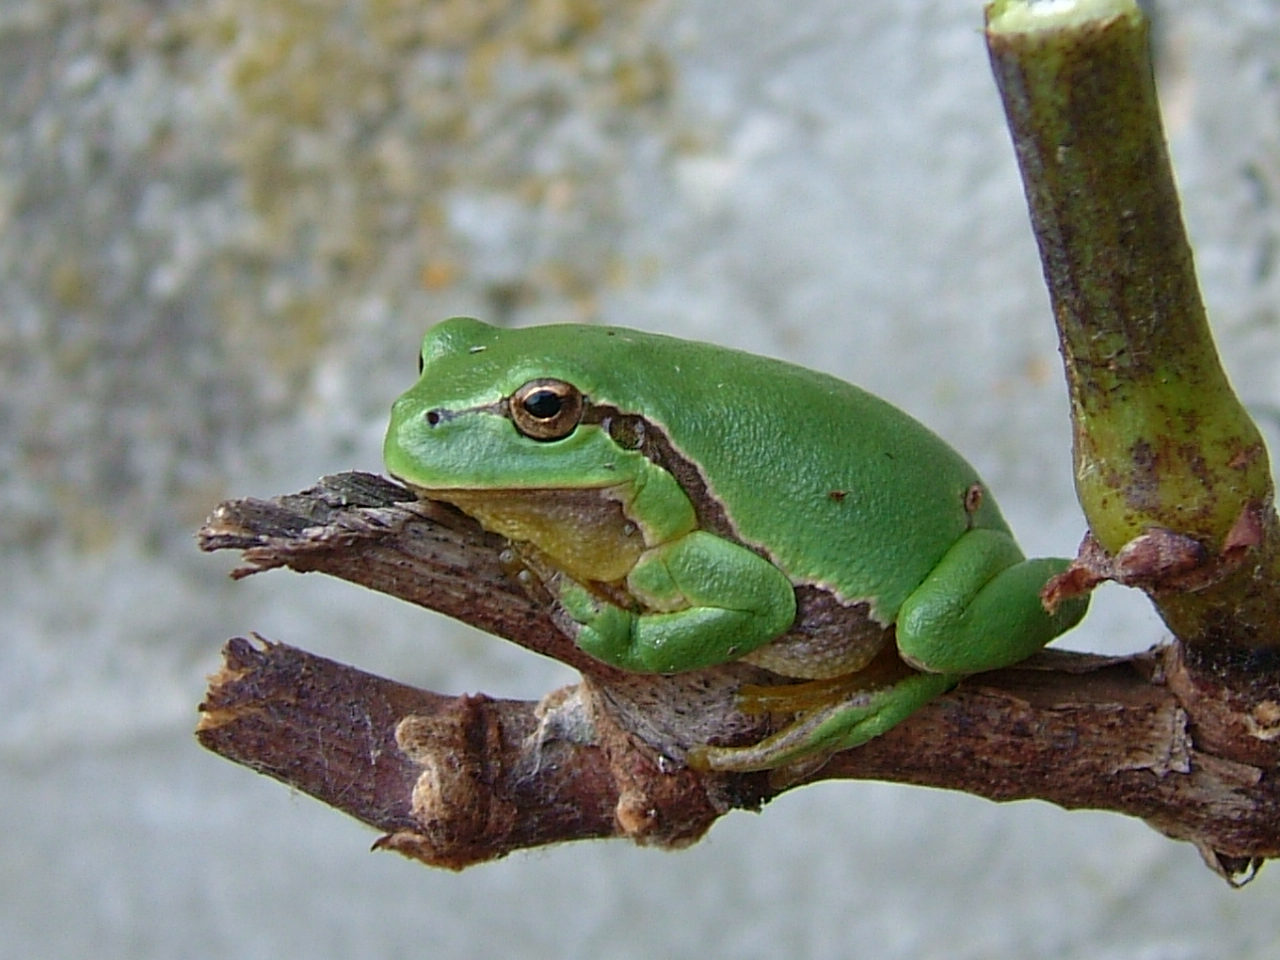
1170, 470
459, 780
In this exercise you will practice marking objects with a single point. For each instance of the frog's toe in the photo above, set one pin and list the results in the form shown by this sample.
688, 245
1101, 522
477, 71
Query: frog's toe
886, 670
800, 740
779, 698
838, 723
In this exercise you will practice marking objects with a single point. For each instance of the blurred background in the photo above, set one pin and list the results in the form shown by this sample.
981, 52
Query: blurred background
224, 227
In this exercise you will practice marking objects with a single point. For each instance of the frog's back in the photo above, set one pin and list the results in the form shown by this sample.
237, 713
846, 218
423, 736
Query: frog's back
835, 485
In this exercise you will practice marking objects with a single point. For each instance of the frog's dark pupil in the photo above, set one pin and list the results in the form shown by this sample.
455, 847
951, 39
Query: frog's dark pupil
543, 404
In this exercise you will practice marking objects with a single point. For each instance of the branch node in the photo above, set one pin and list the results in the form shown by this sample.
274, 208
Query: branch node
454, 801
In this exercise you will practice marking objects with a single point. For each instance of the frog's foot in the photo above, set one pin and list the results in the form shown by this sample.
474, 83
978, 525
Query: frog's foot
884, 671
834, 715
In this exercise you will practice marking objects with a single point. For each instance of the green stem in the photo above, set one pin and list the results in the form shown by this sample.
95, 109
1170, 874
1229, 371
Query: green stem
1161, 441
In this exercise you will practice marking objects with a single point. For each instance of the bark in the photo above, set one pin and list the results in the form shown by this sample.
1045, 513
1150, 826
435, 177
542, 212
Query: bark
1186, 746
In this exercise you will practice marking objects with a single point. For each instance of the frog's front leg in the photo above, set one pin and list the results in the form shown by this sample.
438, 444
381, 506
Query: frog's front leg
701, 600
978, 610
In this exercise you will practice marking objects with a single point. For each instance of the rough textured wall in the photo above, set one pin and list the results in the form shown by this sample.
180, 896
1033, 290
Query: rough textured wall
224, 226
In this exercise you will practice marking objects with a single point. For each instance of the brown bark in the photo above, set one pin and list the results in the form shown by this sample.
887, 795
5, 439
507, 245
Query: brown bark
1191, 748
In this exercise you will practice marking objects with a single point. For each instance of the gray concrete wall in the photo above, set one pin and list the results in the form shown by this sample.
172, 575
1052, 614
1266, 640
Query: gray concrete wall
224, 226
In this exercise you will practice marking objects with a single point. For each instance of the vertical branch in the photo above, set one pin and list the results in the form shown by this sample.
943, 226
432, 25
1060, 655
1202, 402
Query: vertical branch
1170, 470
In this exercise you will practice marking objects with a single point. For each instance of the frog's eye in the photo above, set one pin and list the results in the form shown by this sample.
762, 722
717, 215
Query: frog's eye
546, 409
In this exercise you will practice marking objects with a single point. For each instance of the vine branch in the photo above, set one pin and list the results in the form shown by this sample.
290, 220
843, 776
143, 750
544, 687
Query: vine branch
1171, 471
457, 780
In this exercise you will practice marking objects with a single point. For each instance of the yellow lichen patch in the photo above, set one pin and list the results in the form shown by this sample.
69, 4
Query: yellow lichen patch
359, 122
87, 524
439, 274
70, 284
289, 339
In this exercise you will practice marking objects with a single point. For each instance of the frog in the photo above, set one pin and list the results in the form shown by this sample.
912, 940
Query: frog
687, 505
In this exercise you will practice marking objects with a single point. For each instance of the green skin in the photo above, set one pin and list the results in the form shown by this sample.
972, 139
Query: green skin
791, 479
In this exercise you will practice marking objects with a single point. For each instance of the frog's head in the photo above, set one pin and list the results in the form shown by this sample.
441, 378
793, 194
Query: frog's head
498, 409
502, 424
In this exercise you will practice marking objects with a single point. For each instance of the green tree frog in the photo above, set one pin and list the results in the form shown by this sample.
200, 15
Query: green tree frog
687, 505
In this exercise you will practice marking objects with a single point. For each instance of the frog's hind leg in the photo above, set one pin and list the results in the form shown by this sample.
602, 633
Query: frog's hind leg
833, 715
884, 670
